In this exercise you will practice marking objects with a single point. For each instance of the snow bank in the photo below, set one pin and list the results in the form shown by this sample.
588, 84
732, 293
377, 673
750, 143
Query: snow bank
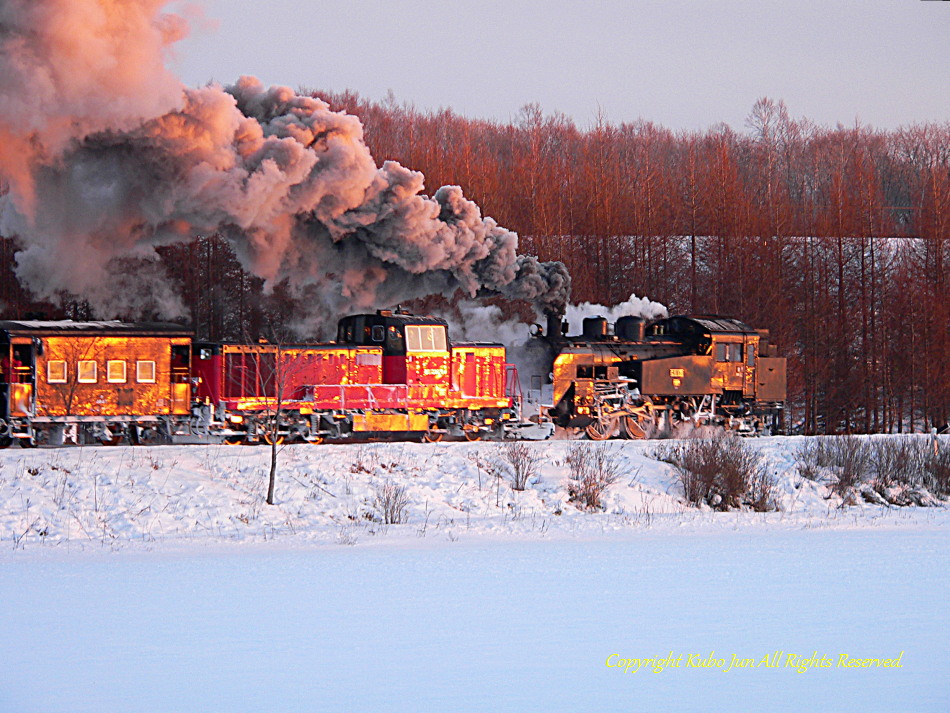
181, 496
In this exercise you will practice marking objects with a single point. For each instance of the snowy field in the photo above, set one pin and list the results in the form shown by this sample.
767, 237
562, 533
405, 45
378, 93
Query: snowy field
156, 579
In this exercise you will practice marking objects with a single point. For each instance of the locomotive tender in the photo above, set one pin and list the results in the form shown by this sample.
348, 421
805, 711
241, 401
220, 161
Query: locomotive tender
647, 376
386, 373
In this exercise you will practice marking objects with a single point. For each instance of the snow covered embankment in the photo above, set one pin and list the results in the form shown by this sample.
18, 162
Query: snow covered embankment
175, 496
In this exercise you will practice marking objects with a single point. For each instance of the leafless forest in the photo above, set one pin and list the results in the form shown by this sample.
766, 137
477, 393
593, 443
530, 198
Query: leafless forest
835, 239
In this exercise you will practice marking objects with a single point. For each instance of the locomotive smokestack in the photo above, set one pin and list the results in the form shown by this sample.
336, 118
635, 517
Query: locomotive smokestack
552, 333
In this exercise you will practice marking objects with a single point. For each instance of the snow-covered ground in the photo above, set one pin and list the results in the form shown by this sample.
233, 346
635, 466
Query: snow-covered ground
156, 579
169, 497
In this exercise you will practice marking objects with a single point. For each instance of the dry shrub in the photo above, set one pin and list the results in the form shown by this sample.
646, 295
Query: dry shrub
813, 455
852, 455
390, 501
899, 471
846, 457
937, 472
594, 468
722, 471
519, 462
896, 461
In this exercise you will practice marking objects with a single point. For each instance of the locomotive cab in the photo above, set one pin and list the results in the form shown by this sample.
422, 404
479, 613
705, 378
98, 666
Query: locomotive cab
415, 350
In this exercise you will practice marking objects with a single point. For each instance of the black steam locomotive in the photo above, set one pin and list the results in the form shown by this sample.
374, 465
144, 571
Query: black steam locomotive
643, 376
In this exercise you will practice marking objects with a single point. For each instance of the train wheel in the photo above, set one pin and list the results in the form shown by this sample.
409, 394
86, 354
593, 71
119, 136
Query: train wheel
114, 441
432, 436
233, 440
269, 438
473, 435
630, 428
5, 441
316, 440
599, 431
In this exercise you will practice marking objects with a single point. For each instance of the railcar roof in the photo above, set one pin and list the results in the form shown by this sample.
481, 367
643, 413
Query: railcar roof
401, 318
716, 324
111, 328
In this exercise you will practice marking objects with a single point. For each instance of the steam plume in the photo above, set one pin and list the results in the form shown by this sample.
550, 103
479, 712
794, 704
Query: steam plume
106, 156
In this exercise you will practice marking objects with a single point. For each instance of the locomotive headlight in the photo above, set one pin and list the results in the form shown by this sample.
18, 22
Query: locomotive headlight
583, 409
235, 418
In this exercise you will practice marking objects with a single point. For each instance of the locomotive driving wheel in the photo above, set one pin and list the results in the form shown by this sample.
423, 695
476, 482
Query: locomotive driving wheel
600, 430
631, 429
636, 425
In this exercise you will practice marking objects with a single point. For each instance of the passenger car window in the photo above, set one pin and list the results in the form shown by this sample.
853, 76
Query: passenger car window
86, 372
145, 372
115, 371
56, 371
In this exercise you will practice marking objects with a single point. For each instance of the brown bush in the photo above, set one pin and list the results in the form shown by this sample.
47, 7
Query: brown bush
722, 471
594, 468
390, 501
518, 461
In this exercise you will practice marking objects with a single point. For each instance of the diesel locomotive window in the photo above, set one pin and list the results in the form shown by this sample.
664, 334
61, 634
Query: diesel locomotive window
395, 344
115, 371
425, 338
379, 333
56, 371
750, 355
145, 372
86, 372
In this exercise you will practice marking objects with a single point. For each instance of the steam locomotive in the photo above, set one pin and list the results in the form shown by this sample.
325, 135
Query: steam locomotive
646, 376
386, 374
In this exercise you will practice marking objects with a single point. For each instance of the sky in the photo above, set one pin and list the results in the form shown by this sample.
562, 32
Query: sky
684, 65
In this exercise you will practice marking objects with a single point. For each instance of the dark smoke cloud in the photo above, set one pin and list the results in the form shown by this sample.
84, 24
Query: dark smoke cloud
108, 156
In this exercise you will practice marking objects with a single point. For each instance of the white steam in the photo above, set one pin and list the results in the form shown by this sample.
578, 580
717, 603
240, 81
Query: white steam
634, 307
